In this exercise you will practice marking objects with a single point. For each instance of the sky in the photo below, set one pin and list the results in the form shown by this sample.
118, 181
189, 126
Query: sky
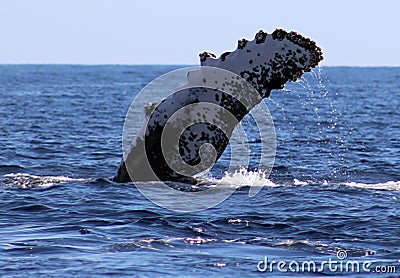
350, 33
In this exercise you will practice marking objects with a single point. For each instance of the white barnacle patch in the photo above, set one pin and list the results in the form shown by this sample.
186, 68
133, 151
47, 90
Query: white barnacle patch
242, 43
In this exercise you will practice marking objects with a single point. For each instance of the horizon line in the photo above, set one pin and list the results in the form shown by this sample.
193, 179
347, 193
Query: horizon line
164, 64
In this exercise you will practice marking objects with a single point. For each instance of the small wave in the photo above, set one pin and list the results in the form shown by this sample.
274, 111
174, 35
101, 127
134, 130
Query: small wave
290, 243
157, 244
309, 182
238, 221
198, 240
27, 181
390, 185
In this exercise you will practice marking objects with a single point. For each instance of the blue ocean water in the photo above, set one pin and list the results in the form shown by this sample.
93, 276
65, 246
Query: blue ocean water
335, 185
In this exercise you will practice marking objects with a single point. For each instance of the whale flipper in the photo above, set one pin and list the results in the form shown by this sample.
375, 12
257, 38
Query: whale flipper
266, 63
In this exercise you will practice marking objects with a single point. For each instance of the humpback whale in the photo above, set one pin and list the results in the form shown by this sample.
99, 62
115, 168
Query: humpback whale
230, 86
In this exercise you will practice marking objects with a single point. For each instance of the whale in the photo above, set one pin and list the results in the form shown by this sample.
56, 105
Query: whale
253, 69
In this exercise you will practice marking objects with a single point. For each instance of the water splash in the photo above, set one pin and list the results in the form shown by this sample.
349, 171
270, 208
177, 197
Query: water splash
244, 177
325, 132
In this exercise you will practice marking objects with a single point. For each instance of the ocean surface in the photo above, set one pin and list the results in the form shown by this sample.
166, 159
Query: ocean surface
333, 194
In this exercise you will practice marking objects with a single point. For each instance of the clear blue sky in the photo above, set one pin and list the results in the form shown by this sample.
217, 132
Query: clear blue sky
350, 32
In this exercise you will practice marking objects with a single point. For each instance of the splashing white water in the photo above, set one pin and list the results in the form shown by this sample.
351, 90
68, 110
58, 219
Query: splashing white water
243, 177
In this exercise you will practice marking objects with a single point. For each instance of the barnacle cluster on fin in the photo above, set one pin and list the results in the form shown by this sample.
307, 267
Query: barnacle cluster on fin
308, 44
242, 43
260, 37
205, 55
269, 61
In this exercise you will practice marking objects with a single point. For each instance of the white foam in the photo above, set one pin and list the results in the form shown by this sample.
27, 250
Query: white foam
198, 240
300, 242
25, 181
298, 182
389, 185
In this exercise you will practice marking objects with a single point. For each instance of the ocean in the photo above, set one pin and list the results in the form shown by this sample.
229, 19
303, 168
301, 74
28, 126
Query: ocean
331, 203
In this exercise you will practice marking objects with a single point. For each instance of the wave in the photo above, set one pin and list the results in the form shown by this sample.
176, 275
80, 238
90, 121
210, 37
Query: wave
241, 178
27, 181
389, 185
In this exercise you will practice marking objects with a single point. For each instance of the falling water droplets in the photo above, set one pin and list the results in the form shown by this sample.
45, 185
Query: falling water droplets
314, 132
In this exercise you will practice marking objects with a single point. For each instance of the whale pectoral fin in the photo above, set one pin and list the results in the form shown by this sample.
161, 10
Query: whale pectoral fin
266, 63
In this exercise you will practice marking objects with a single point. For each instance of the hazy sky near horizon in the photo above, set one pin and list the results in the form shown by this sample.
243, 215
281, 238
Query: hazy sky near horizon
353, 33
